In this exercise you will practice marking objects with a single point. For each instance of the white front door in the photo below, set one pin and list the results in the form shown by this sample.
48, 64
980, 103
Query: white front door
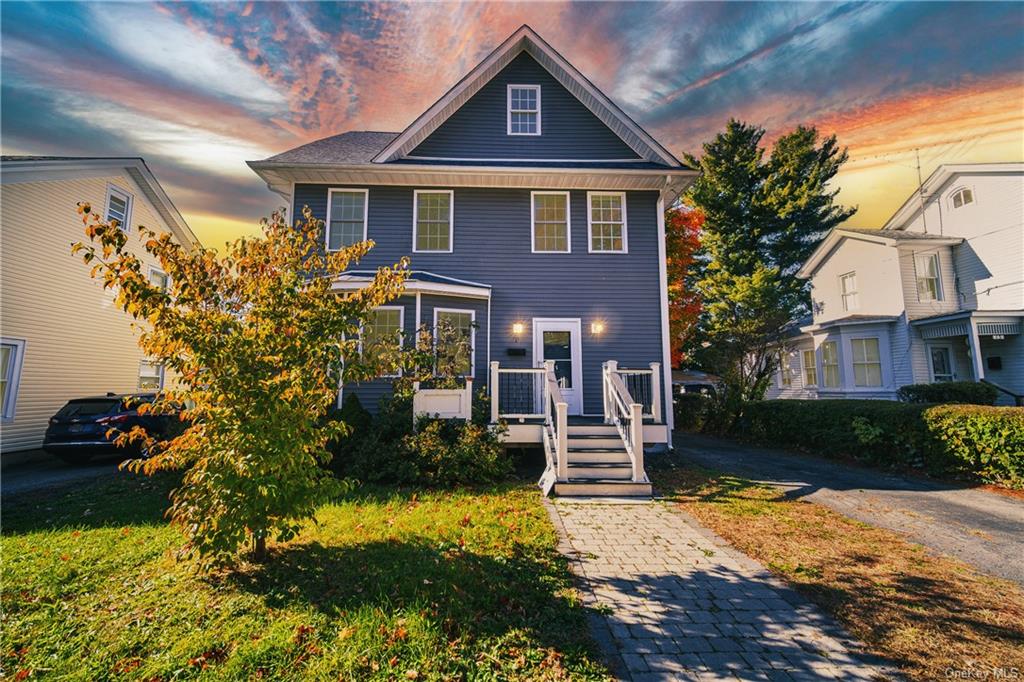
558, 340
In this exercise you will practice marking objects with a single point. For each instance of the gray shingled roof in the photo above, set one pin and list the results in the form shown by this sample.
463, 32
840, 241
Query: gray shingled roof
353, 147
898, 235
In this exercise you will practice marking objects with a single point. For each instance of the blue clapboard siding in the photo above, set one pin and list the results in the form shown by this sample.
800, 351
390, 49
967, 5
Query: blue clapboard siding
492, 246
568, 129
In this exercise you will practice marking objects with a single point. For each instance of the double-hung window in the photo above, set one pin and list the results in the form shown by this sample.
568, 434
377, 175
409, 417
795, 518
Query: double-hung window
159, 279
382, 337
785, 370
524, 110
848, 287
830, 364
454, 338
119, 207
606, 221
12, 352
867, 363
433, 220
550, 222
926, 266
151, 376
810, 368
346, 217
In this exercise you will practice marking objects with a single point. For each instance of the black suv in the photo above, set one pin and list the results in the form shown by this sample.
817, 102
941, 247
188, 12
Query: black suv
79, 430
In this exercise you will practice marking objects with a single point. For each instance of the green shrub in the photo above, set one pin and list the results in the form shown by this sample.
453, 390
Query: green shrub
961, 392
690, 411
385, 448
980, 441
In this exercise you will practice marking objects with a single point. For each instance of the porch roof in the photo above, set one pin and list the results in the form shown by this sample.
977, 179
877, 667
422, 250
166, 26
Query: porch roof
850, 320
419, 281
988, 322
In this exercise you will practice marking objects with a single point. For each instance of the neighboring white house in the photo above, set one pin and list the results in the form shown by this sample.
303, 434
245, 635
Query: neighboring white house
62, 335
937, 294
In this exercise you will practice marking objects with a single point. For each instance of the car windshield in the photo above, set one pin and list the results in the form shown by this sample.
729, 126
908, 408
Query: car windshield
87, 408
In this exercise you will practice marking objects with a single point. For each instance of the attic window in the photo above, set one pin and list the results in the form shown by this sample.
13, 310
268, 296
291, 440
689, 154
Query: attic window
524, 110
962, 197
119, 207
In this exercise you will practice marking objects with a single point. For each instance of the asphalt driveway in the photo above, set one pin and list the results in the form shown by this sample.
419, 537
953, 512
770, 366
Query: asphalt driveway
47, 471
981, 528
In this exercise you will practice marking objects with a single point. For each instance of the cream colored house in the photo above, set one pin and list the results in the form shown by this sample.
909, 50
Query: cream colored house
62, 336
937, 294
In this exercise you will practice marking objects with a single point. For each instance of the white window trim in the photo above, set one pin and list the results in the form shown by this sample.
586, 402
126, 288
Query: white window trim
472, 332
533, 222
508, 108
160, 374
153, 270
783, 356
948, 347
804, 367
590, 223
401, 334
451, 219
855, 294
327, 223
958, 190
938, 277
129, 201
882, 378
820, 353
7, 410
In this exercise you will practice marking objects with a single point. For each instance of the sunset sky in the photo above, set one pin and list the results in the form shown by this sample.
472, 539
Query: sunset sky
198, 89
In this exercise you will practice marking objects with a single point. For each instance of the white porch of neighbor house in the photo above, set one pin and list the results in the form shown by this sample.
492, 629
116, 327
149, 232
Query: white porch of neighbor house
601, 455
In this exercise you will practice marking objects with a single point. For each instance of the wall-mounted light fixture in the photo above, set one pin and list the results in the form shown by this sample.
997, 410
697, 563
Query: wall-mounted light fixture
517, 329
597, 327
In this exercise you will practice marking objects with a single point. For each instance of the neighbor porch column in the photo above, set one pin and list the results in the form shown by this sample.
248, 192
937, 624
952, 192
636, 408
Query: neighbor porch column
976, 360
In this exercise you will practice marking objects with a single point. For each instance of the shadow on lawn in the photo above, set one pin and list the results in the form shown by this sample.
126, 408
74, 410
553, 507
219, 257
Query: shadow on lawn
465, 592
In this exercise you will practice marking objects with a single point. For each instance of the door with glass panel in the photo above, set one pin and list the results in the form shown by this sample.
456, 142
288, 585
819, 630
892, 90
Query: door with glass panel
941, 361
559, 342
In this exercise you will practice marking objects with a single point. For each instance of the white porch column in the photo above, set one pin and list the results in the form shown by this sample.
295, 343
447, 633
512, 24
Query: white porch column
656, 397
492, 384
976, 359
609, 368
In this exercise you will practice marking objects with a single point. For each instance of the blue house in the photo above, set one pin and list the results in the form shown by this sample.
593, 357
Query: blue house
532, 208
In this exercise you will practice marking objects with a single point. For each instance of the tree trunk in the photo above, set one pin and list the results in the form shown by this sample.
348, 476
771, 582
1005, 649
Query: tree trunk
259, 547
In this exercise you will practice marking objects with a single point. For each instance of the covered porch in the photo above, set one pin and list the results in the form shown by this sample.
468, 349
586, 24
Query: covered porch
976, 345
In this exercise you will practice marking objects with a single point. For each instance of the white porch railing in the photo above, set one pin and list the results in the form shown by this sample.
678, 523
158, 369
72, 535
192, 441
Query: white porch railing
626, 413
444, 403
643, 385
518, 393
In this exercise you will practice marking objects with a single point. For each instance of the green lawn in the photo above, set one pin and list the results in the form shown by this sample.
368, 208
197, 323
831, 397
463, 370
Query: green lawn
386, 585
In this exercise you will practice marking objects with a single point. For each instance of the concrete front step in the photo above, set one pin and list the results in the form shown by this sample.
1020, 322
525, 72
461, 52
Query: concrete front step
600, 470
601, 488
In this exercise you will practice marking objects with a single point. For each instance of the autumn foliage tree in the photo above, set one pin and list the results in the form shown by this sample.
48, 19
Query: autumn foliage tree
255, 339
682, 239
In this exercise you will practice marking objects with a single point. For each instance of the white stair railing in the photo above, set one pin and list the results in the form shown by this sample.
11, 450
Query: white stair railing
557, 422
644, 385
628, 417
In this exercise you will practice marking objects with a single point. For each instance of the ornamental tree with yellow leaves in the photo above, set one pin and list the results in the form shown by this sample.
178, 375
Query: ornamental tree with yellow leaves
258, 343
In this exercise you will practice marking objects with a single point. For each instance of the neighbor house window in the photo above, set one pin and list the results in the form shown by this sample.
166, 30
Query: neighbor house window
119, 207
151, 376
11, 355
606, 221
785, 370
927, 267
432, 221
848, 286
550, 218
524, 110
346, 217
962, 197
810, 368
941, 361
830, 364
382, 335
867, 364
454, 336
159, 279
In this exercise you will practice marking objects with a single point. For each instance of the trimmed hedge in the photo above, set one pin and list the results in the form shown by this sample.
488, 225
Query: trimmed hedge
980, 442
959, 392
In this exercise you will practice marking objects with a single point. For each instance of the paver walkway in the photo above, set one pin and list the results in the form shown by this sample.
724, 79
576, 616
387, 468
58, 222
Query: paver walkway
679, 603
982, 528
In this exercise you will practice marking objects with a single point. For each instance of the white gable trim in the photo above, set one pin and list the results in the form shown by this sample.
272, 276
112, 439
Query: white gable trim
527, 40
835, 238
